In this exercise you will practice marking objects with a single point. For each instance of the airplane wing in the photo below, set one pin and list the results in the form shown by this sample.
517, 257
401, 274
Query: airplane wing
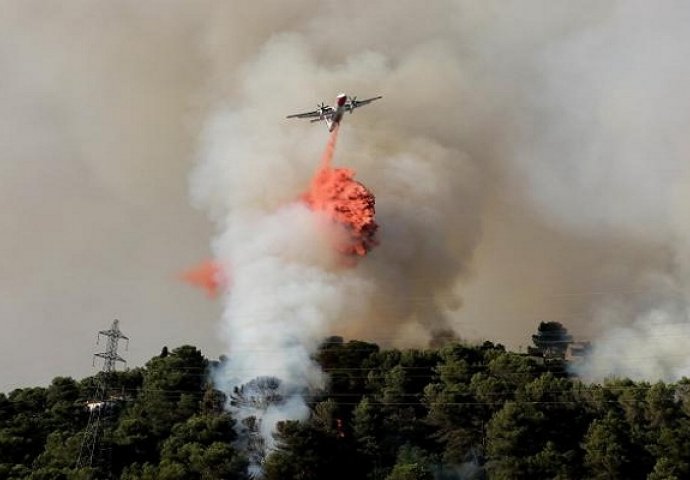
314, 113
354, 103
322, 112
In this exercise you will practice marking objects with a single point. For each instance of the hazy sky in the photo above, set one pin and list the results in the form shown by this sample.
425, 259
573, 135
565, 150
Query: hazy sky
97, 132
544, 142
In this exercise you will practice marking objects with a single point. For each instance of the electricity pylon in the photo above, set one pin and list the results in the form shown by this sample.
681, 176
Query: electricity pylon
99, 406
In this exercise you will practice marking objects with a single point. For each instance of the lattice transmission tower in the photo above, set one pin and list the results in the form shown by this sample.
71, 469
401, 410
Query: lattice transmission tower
100, 406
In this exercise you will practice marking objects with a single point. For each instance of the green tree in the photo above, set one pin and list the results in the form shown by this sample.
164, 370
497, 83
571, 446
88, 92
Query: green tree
400, 392
665, 469
453, 410
136, 471
201, 448
552, 339
412, 464
171, 392
367, 425
607, 449
558, 403
58, 457
514, 436
64, 412
668, 430
24, 433
306, 452
410, 471
345, 365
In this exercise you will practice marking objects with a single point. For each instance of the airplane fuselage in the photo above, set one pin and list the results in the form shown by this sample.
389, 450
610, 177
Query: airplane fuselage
337, 115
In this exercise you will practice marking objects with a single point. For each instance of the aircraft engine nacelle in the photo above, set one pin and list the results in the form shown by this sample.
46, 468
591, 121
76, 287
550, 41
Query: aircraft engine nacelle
353, 104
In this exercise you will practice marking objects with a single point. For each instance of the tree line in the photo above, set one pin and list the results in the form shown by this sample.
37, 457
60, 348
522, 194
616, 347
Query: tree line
459, 411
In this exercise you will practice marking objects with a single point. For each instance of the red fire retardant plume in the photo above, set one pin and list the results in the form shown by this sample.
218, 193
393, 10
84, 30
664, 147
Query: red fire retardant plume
333, 191
348, 202
208, 276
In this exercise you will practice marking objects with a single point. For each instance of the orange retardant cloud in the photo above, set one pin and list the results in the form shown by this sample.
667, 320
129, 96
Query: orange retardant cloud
208, 276
346, 201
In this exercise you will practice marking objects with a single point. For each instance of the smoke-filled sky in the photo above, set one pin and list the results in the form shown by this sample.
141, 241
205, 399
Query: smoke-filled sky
529, 161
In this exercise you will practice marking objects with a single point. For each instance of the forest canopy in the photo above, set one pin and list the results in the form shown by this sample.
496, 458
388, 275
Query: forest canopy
459, 411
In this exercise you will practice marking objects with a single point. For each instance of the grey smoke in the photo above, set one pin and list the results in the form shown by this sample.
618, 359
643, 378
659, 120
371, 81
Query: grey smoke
531, 154
529, 162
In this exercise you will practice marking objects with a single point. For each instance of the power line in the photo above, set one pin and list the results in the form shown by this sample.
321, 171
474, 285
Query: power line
100, 407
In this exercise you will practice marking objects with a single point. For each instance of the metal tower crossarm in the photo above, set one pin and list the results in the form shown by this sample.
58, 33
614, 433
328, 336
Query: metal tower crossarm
110, 356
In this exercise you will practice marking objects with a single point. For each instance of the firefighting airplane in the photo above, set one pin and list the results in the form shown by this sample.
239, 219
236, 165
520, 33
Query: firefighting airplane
333, 116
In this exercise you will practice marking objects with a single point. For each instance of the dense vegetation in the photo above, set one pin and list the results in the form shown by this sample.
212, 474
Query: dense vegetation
455, 412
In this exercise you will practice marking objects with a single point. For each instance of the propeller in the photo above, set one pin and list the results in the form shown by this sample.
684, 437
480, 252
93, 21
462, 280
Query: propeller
353, 103
322, 108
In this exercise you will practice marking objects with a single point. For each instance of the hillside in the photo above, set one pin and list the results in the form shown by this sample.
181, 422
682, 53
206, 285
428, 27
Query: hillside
456, 412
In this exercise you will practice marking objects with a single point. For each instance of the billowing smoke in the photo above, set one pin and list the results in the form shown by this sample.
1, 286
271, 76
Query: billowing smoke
529, 162
290, 287
528, 166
